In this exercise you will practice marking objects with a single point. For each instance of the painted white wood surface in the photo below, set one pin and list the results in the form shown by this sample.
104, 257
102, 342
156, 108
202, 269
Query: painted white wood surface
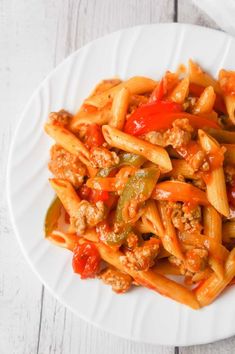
35, 35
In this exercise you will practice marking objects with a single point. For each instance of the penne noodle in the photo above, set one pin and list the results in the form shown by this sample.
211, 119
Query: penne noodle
213, 286
180, 92
205, 102
181, 168
226, 81
228, 231
67, 195
229, 155
212, 222
222, 136
119, 108
199, 77
149, 279
144, 227
152, 218
164, 267
230, 106
126, 142
135, 85
105, 85
169, 237
61, 239
99, 117
216, 188
68, 141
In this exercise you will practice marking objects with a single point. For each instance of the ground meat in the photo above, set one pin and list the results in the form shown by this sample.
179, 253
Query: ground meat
101, 157
229, 174
119, 281
178, 135
196, 259
88, 215
185, 218
141, 258
61, 118
132, 241
66, 166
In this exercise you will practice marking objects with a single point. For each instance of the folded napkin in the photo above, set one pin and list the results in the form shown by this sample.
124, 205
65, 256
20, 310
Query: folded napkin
221, 11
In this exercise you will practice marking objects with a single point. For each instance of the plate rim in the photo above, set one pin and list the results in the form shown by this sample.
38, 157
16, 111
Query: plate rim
8, 192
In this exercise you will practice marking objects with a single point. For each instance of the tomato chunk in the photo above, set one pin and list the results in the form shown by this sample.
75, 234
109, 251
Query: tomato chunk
86, 260
94, 136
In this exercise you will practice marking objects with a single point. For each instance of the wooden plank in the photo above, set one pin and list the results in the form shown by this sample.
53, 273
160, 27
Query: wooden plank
223, 346
78, 23
63, 332
25, 59
189, 13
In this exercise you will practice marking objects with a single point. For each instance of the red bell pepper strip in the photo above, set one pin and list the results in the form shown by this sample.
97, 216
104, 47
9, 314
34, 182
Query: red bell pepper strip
176, 191
197, 90
162, 121
157, 93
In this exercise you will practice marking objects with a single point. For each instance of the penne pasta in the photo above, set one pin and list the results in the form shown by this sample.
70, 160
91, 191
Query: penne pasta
164, 267
82, 117
205, 102
222, 136
119, 108
152, 218
227, 84
212, 222
135, 85
180, 92
126, 142
228, 231
139, 210
67, 195
216, 188
181, 168
230, 106
199, 77
150, 279
169, 237
229, 155
68, 141
213, 286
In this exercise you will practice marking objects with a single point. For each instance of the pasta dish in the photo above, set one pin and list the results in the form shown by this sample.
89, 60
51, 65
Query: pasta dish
144, 176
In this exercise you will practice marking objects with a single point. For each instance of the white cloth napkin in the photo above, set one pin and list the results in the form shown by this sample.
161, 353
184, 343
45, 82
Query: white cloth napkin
221, 11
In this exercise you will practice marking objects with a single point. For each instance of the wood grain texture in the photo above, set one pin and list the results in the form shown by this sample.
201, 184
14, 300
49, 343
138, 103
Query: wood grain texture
34, 37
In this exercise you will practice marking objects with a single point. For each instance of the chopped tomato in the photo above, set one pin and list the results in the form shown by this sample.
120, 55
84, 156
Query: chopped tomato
98, 195
86, 260
84, 192
94, 136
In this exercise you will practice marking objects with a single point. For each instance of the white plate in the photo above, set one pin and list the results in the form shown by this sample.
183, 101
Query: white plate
140, 315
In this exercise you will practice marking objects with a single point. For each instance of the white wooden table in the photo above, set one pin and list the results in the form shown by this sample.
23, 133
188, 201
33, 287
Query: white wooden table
35, 35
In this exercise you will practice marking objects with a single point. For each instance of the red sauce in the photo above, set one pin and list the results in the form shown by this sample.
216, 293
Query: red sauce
188, 152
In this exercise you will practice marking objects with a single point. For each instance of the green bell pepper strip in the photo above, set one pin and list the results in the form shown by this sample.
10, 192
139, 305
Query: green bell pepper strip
126, 159
113, 239
138, 187
52, 216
